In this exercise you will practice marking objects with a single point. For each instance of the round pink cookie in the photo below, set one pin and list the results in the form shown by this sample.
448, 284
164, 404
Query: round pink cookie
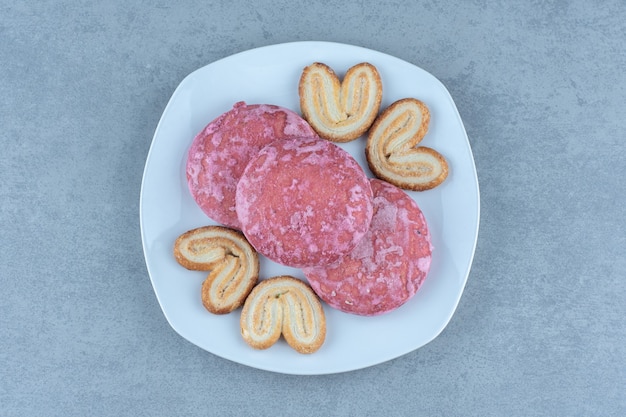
221, 151
304, 202
388, 265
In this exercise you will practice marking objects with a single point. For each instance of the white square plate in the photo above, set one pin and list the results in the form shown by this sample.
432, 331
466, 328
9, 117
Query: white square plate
270, 75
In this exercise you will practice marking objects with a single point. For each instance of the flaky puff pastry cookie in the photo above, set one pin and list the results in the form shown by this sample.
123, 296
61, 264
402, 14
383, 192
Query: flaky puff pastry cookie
283, 305
392, 152
340, 111
231, 260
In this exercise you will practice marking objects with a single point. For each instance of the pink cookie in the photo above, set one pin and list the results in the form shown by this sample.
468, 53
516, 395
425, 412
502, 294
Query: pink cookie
388, 265
304, 202
221, 151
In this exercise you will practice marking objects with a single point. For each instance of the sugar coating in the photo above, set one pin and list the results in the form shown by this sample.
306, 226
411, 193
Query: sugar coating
221, 151
388, 265
304, 202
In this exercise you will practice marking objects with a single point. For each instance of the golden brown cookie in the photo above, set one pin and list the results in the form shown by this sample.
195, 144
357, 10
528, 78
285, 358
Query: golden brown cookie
283, 305
340, 111
392, 152
231, 260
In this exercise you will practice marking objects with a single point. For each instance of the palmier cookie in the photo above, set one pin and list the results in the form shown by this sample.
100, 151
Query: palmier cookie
231, 260
340, 111
391, 149
283, 305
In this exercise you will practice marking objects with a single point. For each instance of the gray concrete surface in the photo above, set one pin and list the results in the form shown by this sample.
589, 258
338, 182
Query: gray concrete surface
540, 329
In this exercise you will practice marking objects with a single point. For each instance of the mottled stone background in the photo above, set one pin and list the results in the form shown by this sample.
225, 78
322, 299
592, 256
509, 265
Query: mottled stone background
541, 87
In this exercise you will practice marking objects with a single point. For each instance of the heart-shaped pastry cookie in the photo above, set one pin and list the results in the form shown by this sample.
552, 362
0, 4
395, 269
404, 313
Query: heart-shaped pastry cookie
231, 260
283, 305
392, 152
340, 111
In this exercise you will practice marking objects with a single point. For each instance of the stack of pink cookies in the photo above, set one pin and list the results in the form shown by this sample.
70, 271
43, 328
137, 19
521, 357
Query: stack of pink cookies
302, 201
